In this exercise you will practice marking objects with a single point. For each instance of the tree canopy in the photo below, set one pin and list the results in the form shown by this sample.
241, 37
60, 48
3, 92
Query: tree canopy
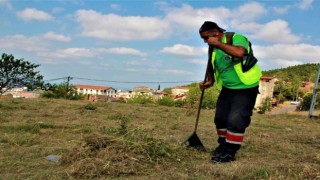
303, 72
17, 73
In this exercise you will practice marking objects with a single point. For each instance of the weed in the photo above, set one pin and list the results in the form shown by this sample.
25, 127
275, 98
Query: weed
174, 127
134, 141
117, 154
260, 173
90, 106
31, 128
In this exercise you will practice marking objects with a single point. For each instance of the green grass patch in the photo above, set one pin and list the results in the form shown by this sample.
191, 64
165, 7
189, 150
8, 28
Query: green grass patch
144, 141
31, 128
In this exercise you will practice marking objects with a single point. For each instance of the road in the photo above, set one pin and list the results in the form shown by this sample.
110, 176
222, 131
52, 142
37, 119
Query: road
284, 110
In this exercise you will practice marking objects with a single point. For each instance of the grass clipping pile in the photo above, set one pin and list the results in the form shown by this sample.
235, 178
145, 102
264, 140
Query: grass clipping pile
124, 153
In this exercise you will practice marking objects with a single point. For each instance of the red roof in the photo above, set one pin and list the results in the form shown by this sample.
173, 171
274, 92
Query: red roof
92, 87
266, 78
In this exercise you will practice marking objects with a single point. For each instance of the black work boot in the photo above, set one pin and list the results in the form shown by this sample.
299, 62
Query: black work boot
216, 151
223, 158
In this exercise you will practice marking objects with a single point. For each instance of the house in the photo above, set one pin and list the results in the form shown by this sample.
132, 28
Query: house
180, 90
266, 87
124, 94
156, 95
95, 90
141, 90
307, 86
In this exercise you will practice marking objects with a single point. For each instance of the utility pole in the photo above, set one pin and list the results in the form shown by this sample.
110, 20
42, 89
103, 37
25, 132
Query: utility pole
68, 81
314, 96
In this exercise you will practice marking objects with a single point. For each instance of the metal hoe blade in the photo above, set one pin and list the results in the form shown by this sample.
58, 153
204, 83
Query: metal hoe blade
194, 142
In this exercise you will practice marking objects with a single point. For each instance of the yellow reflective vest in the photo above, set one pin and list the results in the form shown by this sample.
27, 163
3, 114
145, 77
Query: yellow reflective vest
248, 78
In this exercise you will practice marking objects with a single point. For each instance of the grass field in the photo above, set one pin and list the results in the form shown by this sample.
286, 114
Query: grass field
132, 141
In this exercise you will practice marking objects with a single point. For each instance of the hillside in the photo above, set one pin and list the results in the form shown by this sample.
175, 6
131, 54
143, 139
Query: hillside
133, 141
304, 72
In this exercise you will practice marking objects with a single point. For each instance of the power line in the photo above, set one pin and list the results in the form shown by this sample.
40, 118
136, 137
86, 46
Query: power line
56, 79
134, 81
150, 82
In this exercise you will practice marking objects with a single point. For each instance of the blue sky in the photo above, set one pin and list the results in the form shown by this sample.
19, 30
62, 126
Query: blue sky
111, 43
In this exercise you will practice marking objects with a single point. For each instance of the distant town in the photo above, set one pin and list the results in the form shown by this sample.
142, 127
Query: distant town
95, 93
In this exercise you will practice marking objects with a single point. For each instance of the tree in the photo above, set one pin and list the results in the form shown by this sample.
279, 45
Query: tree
18, 72
209, 100
60, 92
306, 102
266, 106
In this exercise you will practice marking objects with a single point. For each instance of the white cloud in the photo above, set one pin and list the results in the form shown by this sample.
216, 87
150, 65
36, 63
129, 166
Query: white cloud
6, 4
57, 10
295, 53
178, 72
44, 48
101, 66
246, 26
56, 37
249, 12
285, 62
75, 53
124, 51
115, 6
132, 70
276, 31
144, 65
184, 50
197, 61
21, 42
281, 10
29, 14
305, 4
187, 17
115, 27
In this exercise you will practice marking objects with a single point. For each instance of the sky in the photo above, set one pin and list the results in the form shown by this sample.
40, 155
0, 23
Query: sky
130, 43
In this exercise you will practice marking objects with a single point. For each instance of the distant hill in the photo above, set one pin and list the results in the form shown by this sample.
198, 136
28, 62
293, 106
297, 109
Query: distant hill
304, 72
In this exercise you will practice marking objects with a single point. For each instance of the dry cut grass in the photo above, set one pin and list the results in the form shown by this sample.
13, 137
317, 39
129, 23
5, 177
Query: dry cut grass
131, 141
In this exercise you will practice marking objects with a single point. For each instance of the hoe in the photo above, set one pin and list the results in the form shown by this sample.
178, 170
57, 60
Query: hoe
194, 141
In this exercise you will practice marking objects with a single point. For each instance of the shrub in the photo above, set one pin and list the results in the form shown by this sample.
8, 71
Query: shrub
179, 103
90, 107
60, 92
266, 106
166, 101
209, 100
306, 102
140, 99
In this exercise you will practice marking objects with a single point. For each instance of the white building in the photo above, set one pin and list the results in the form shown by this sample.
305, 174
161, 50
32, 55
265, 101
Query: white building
124, 94
180, 90
95, 90
266, 87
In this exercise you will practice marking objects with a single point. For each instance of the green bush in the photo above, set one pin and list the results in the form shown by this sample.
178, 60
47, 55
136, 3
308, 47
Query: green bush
166, 101
140, 99
266, 106
209, 100
306, 102
60, 92
179, 103
90, 106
